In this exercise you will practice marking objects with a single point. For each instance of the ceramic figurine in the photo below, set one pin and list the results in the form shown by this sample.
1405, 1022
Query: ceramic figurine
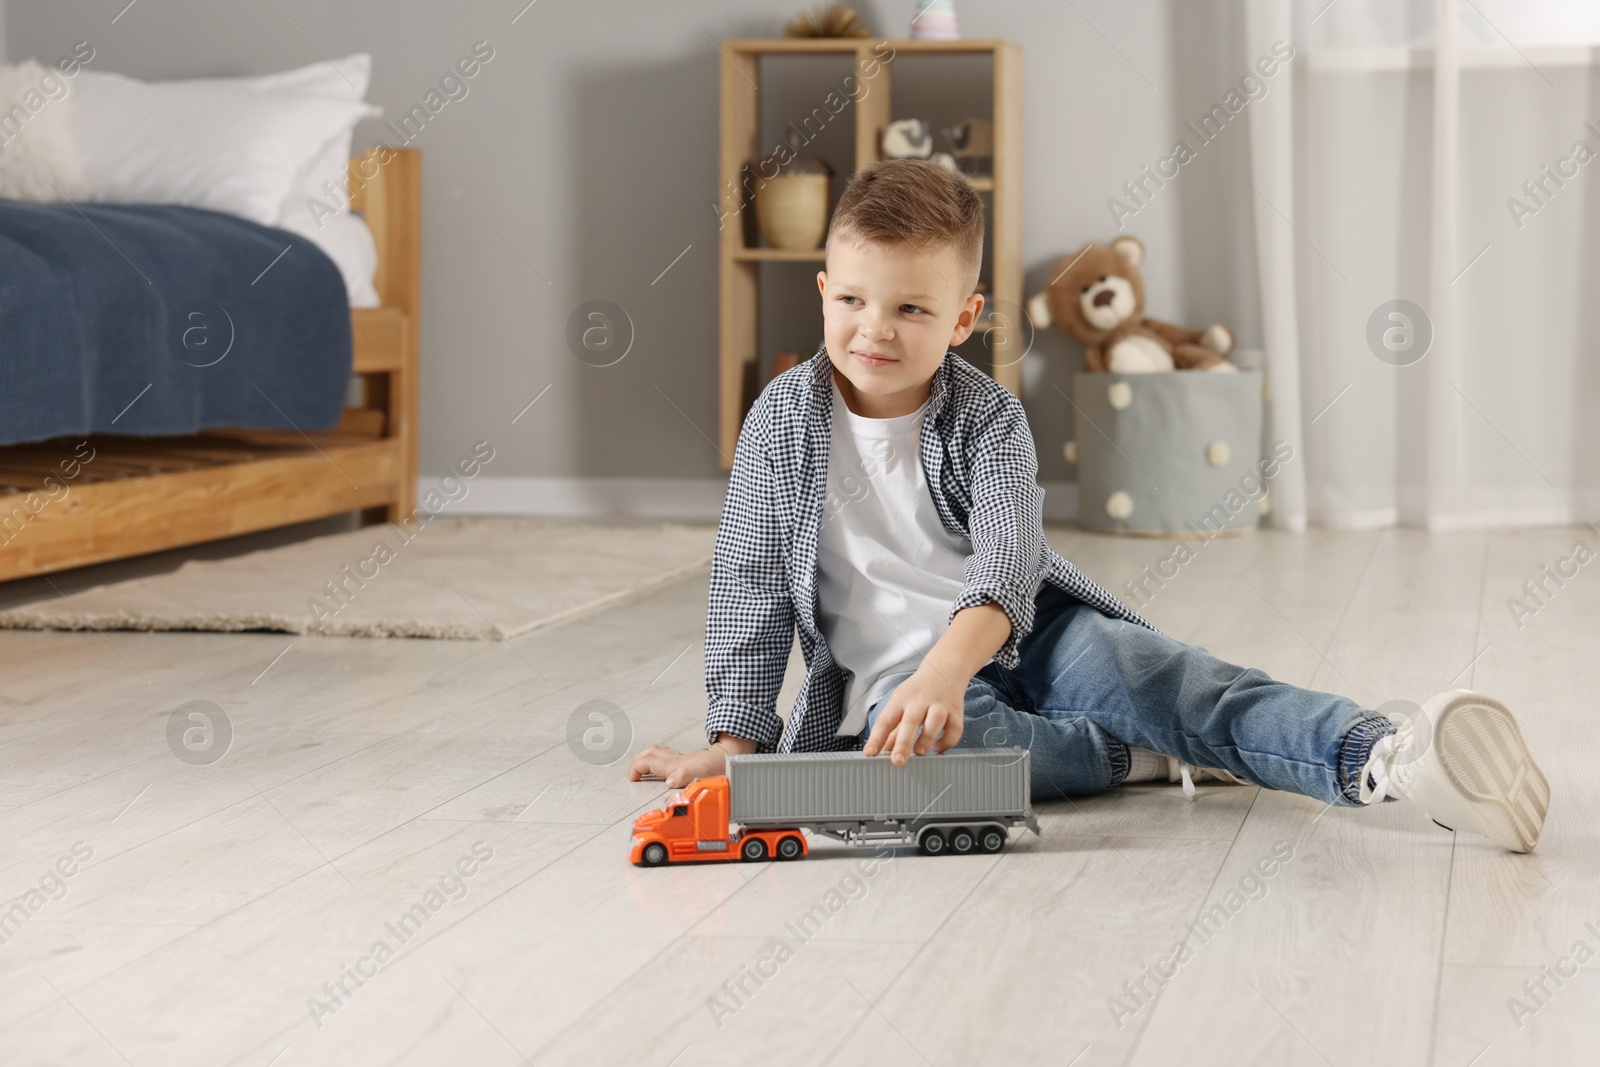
935, 20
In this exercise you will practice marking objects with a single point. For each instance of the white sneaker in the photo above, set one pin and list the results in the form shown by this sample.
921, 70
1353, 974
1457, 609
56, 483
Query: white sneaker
1477, 774
1177, 770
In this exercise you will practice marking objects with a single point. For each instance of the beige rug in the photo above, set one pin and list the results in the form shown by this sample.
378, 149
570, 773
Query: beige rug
480, 579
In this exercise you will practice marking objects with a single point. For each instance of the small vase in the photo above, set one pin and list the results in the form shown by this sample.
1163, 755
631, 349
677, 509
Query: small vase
792, 210
935, 20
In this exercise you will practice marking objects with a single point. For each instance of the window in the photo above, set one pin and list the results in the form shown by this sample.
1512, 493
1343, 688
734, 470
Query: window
680, 809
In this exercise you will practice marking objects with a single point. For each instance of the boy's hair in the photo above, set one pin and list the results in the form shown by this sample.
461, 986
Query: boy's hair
910, 201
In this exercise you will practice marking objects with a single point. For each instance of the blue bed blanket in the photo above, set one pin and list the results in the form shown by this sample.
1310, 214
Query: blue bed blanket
158, 320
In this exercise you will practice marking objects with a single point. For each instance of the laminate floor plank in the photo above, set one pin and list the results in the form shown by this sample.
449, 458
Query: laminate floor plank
261, 967
1327, 956
1026, 969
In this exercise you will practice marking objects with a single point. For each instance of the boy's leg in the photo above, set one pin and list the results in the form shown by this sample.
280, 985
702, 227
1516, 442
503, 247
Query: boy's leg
1149, 690
1069, 756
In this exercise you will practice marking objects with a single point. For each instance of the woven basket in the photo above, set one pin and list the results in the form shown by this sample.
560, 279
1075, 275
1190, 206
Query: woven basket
1169, 455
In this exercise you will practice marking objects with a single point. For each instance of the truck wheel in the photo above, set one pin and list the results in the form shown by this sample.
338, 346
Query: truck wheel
991, 839
962, 841
789, 848
655, 854
932, 843
754, 850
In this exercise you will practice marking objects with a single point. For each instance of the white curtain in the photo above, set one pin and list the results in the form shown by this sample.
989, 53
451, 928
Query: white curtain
1429, 151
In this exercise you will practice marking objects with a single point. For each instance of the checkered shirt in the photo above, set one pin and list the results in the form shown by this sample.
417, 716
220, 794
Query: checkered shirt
977, 452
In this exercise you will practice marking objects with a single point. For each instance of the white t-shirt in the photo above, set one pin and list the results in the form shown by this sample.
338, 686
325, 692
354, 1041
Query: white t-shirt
888, 571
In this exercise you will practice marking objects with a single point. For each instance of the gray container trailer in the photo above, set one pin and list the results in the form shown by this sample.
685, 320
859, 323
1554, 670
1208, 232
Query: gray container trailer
957, 798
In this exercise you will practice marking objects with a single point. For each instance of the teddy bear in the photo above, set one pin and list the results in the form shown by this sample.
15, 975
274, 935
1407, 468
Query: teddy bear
1097, 298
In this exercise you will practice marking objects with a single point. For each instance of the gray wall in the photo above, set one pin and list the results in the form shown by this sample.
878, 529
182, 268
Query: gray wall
589, 145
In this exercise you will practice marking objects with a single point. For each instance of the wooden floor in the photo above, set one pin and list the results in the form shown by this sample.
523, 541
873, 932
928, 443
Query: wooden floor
222, 905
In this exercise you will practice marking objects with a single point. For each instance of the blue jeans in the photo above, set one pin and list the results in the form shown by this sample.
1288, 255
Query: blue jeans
1087, 686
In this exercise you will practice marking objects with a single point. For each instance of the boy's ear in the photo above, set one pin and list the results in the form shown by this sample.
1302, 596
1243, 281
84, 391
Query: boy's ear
967, 320
822, 282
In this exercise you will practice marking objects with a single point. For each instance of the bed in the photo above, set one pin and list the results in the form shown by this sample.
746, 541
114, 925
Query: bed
76, 500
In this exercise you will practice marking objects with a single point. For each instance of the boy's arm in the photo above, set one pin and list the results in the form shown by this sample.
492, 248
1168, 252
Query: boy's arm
678, 769
935, 695
1005, 524
974, 635
750, 615
736, 746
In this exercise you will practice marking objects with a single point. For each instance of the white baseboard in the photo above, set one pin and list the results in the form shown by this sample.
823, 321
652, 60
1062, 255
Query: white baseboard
688, 499
684, 499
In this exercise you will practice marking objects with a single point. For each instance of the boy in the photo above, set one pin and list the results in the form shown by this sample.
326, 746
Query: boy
883, 499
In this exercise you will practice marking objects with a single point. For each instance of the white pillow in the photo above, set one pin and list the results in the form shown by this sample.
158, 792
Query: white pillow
348, 242
341, 79
212, 146
345, 78
38, 157
343, 236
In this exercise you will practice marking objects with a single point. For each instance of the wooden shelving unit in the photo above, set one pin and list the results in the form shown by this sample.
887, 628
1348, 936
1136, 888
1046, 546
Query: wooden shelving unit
740, 143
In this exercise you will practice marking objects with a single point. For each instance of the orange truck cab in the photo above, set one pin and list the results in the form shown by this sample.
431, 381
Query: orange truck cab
692, 826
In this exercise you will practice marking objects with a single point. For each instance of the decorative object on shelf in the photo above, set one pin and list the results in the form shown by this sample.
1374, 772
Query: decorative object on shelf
1097, 298
935, 20
908, 139
792, 206
826, 20
1171, 455
973, 142
945, 160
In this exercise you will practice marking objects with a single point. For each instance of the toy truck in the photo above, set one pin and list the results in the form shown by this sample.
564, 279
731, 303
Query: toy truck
960, 801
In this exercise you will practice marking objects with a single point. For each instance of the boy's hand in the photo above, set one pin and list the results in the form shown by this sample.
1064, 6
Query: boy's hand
928, 699
678, 769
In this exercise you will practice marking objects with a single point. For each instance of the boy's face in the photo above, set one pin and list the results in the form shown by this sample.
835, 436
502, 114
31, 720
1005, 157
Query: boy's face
889, 314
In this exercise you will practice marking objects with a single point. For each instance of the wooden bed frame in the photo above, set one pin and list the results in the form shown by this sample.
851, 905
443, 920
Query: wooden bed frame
146, 494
